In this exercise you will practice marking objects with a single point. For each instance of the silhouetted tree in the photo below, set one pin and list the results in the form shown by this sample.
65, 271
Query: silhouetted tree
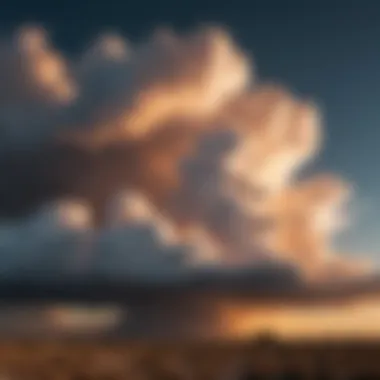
290, 375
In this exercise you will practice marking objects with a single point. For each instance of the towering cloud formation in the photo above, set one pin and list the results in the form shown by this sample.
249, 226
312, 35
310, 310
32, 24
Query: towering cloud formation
208, 159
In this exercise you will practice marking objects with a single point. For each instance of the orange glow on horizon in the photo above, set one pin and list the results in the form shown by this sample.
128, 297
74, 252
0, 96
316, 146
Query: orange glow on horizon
357, 320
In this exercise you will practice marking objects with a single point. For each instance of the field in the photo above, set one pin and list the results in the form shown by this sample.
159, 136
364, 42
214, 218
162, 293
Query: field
201, 361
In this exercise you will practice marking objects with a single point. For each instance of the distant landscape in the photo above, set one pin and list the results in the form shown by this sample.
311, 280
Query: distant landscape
259, 359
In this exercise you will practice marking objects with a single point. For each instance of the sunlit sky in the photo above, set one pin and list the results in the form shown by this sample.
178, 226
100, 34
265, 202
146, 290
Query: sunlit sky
327, 50
324, 49
305, 322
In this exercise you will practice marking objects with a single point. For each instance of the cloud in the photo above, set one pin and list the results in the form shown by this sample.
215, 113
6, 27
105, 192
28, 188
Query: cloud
133, 226
36, 87
211, 157
48, 244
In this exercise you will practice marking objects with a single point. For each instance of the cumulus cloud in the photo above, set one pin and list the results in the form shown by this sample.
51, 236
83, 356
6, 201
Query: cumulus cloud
36, 86
47, 244
181, 160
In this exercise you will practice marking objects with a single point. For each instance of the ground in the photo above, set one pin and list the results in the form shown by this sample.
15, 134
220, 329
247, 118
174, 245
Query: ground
180, 360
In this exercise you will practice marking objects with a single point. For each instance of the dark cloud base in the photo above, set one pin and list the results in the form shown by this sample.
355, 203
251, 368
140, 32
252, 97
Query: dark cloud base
31, 179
